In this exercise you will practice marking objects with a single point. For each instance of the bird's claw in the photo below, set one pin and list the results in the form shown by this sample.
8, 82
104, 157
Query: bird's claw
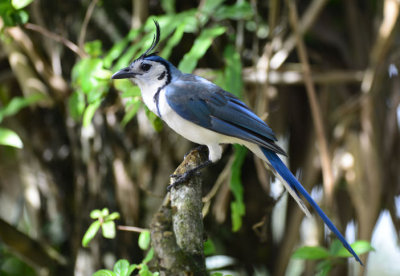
182, 178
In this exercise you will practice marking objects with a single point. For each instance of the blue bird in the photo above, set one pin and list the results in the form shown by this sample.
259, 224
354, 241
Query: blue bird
205, 114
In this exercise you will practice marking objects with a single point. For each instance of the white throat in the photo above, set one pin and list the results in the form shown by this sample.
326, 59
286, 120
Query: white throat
149, 90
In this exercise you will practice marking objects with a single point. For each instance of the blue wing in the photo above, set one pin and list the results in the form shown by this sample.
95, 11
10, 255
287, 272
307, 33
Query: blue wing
209, 106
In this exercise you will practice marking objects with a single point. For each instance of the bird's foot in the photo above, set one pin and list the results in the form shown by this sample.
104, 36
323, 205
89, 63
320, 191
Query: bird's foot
184, 177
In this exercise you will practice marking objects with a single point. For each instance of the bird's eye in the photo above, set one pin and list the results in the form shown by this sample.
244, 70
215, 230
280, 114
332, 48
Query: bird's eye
145, 67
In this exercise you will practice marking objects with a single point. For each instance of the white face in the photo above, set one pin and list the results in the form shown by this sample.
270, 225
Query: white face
148, 73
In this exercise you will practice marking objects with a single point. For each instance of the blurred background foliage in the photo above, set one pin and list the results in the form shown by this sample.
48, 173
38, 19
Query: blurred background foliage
73, 141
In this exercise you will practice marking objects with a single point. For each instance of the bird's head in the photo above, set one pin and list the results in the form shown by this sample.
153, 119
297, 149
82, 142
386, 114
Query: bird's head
149, 68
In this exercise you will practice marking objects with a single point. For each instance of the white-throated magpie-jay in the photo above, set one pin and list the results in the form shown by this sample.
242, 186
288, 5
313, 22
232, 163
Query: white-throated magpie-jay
204, 113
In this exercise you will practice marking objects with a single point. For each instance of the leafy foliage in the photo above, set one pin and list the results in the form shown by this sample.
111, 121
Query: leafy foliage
328, 258
103, 220
237, 206
12, 12
8, 137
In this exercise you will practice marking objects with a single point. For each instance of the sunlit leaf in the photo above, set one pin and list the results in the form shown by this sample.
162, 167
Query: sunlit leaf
360, 247
144, 240
118, 48
238, 208
199, 48
95, 214
113, 216
104, 272
102, 74
19, 4
132, 268
90, 233
93, 48
89, 113
121, 268
105, 212
130, 53
127, 88
108, 229
311, 253
10, 138
144, 270
149, 256
173, 41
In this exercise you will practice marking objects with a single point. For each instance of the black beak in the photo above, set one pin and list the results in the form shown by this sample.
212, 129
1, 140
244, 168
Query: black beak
125, 73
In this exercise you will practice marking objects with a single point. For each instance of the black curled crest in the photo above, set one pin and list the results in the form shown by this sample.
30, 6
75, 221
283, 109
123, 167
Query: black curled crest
156, 39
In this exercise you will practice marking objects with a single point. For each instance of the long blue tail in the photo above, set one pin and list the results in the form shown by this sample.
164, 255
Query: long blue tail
286, 174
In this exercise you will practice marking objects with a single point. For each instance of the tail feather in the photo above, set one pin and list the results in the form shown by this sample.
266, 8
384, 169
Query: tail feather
294, 184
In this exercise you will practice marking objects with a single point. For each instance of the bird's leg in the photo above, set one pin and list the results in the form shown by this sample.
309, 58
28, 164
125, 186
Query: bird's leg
181, 178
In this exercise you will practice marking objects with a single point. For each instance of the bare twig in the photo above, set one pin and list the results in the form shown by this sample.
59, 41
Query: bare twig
68, 43
315, 109
131, 228
85, 22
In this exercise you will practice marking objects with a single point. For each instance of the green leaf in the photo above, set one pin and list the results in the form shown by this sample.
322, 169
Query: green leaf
132, 268
113, 216
233, 71
209, 248
108, 229
89, 113
121, 268
149, 256
324, 267
104, 272
144, 270
238, 208
199, 48
154, 120
95, 214
168, 6
93, 48
10, 138
217, 274
76, 105
127, 88
210, 6
12, 16
18, 103
311, 253
105, 212
240, 10
118, 48
132, 107
19, 4
90, 233
144, 240
173, 41
360, 247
